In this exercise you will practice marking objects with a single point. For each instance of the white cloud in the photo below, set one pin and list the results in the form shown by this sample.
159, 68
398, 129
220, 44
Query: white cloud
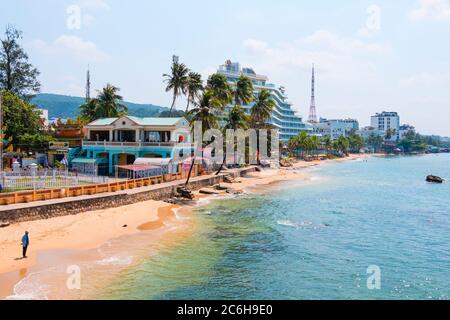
71, 45
426, 80
336, 56
94, 4
329, 40
431, 10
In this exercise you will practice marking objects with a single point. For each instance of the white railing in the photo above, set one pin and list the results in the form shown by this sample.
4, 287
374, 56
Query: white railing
46, 179
129, 144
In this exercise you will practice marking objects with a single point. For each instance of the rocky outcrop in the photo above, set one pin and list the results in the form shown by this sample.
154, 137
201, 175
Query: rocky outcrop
434, 179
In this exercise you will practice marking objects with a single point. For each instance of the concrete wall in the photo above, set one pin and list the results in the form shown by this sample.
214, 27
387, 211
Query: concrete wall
71, 206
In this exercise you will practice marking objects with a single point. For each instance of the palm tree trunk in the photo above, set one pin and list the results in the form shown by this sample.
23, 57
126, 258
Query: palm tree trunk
190, 171
173, 103
188, 102
222, 165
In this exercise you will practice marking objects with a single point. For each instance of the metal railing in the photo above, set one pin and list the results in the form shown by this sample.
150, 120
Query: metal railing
45, 179
129, 144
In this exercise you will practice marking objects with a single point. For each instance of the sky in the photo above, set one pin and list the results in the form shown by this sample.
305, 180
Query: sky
370, 56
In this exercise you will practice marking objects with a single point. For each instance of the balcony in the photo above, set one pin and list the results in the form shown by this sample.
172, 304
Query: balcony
87, 143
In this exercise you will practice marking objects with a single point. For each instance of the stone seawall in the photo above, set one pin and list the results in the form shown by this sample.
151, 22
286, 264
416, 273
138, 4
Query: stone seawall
71, 206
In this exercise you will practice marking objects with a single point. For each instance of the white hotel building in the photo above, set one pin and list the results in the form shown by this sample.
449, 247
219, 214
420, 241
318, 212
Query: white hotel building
385, 121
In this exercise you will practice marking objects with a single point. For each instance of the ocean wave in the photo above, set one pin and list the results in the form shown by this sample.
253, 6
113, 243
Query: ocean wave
30, 288
288, 223
115, 261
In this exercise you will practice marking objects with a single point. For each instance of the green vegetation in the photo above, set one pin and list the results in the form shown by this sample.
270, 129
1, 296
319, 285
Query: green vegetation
22, 124
17, 75
194, 87
177, 81
108, 104
414, 142
304, 144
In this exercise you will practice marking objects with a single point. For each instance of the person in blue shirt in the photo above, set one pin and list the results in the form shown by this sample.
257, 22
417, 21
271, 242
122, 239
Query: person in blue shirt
25, 244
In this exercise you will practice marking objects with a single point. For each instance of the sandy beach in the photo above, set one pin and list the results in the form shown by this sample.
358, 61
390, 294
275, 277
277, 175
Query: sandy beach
90, 230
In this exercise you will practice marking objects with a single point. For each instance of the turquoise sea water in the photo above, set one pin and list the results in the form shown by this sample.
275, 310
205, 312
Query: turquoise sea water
314, 239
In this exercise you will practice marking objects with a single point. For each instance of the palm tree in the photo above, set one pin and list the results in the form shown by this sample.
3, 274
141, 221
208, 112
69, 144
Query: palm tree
262, 109
328, 144
205, 111
108, 103
194, 86
176, 81
222, 90
243, 93
302, 142
261, 112
237, 119
314, 143
88, 111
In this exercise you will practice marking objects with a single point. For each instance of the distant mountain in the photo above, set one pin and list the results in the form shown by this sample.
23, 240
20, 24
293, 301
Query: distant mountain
60, 106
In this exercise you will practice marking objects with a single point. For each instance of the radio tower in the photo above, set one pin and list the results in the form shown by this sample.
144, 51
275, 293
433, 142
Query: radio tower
88, 86
312, 109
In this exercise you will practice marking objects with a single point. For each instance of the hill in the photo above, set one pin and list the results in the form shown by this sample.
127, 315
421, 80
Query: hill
61, 106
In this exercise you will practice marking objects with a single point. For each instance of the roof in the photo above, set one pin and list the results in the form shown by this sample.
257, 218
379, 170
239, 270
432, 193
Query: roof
138, 167
88, 161
153, 161
103, 122
156, 121
139, 121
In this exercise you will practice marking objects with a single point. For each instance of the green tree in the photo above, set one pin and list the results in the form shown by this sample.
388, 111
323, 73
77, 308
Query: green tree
16, 73
108, 103
356, 142
375, 141
218, 84
205, 112
38, 142
327, 143
20, 118
176, 81
194, 87
237, 119
390, 133
88, 111
243, 93
342, 144
262, 109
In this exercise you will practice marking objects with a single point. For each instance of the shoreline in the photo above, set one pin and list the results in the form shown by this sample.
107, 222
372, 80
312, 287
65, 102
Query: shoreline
90, 230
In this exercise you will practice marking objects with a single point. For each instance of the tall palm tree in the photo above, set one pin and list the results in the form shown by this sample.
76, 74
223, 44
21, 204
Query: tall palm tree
108, 103
220, 87
88, 111
328, 144
176, 81
194, 86
237, 119
205, 111
243, 93
262, 109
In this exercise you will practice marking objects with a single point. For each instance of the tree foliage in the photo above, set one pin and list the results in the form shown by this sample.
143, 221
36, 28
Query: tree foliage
21, 120
107, 104
17, 75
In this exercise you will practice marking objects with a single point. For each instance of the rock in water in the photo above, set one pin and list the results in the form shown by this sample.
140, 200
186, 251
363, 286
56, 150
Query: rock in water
434, 179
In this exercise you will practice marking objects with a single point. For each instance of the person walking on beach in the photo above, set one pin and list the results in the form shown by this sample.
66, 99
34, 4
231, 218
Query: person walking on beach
25, 244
